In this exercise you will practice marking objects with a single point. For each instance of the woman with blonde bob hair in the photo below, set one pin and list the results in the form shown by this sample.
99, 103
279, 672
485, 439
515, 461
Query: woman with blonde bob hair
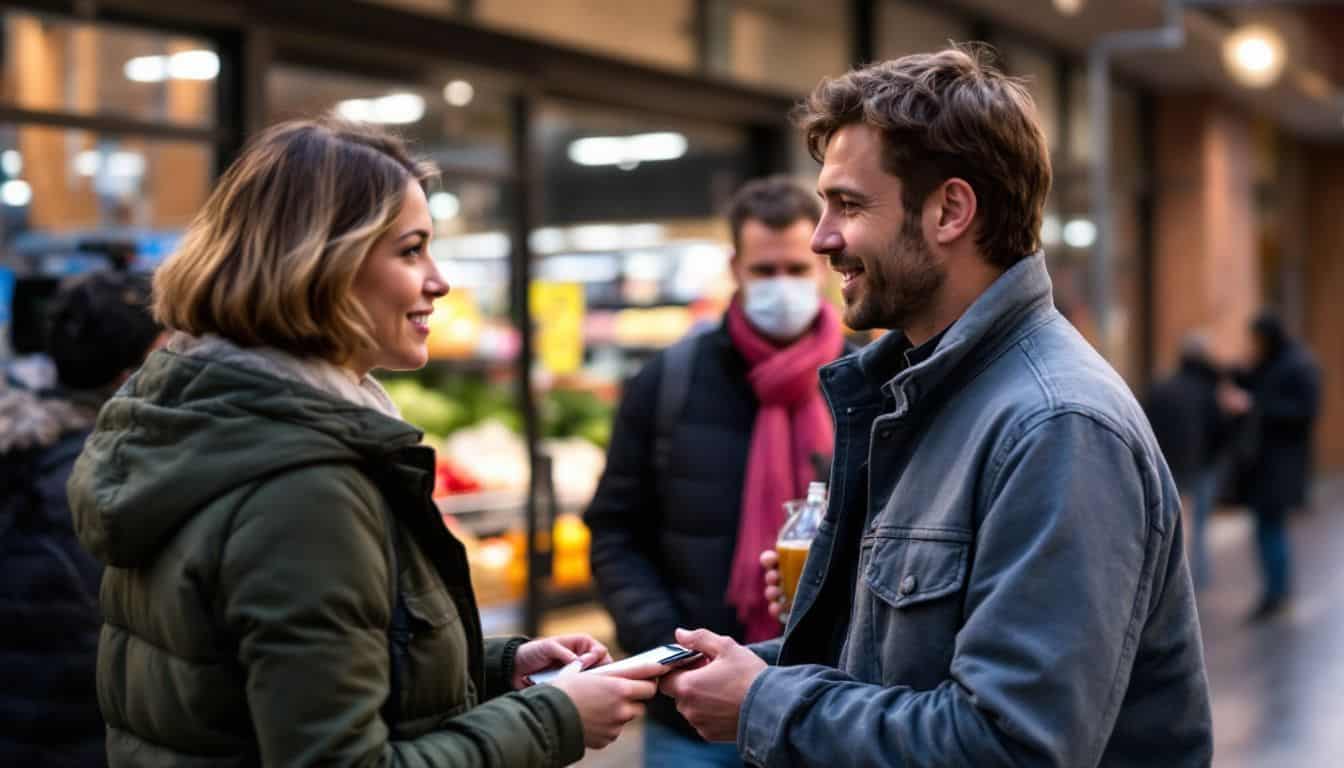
280, 589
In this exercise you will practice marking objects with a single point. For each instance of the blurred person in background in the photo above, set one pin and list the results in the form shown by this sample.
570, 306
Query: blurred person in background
711, 438
1000, 577
1284, 386
279, 587
99, 329
1193, 413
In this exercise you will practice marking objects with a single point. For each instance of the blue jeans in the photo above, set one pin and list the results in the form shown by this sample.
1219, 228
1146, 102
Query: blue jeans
1203, 493
1271, 538
667, 748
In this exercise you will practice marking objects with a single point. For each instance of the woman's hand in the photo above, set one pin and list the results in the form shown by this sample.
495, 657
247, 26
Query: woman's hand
606, 703
550, 652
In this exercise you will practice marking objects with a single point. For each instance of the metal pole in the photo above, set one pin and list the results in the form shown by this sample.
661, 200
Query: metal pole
1171, 35
1099, 268
520, 279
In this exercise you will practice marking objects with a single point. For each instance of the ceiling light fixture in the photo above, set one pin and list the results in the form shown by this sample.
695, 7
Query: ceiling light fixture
1254, 55
183, 65
16, 193
459, 93
11, 162
392, 109
1069, 7
627, 152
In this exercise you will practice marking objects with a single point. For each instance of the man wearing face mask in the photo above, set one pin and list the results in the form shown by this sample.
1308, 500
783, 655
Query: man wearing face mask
711, 438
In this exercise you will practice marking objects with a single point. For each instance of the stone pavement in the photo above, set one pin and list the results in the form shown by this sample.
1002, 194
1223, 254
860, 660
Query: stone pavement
1278, 688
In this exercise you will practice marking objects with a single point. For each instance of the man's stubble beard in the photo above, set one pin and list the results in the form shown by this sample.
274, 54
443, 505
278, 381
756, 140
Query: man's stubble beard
902, 287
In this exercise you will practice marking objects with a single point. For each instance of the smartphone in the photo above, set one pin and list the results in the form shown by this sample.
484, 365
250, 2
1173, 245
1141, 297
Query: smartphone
670, 655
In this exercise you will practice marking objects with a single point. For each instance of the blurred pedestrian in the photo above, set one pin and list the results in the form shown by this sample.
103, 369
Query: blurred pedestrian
1284, 387
999, 579
1192, 413
99, 329
280, 588
711, 438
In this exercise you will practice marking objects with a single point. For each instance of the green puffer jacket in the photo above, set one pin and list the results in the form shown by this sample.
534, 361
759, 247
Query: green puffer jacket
248, 523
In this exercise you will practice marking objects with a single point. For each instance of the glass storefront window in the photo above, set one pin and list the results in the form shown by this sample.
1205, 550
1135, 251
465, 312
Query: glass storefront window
907, 27
787, 45
661, 33
459, 118
62, 186
60, 65
74, 200
631, 208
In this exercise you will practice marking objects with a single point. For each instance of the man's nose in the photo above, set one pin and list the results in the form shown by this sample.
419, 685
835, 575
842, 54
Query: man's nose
827, 241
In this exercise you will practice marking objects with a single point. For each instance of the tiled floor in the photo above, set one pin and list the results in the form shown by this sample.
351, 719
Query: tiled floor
1278, 688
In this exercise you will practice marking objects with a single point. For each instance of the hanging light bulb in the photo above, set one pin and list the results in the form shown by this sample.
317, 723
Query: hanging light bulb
1254, 55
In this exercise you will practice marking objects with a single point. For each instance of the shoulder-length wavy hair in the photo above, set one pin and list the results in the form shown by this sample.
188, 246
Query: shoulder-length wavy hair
271, 258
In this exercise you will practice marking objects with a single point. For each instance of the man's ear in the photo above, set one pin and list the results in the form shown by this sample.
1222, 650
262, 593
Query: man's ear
957, 207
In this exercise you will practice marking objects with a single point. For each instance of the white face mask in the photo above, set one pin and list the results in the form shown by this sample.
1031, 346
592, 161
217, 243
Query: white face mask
781, 307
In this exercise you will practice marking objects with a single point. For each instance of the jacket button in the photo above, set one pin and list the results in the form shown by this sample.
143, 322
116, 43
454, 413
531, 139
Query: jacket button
884, 434
908, 585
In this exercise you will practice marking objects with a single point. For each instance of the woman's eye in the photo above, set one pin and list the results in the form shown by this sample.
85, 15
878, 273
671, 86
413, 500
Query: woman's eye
415, 250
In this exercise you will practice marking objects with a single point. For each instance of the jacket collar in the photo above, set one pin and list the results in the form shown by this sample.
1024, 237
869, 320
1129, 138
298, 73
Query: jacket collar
325, 377
1015, 303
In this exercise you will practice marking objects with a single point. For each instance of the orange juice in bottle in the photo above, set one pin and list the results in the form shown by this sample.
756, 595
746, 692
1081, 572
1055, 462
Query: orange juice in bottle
795, 538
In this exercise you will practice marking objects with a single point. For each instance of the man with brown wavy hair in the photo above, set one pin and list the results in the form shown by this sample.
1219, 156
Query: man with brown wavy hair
999, 579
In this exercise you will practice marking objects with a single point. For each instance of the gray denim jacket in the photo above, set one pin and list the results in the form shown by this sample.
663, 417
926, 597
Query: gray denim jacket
1020, 596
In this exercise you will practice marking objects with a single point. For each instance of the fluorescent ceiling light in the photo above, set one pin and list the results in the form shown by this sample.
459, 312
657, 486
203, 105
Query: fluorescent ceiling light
193, 65
1069, 7
16, 193
392, 109
183, 65
146, 69
627, 152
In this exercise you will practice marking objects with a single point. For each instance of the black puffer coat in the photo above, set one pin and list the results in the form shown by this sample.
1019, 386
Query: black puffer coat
662, 547
1286, 392
48, 591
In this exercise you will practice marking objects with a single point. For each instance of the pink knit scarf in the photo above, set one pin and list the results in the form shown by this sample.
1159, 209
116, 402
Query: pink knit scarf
792, 424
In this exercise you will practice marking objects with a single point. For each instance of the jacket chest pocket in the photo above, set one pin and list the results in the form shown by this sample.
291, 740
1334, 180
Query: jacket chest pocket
434, 665
909, 603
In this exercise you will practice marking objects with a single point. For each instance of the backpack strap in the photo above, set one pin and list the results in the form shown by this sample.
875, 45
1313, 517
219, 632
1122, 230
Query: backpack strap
673, 390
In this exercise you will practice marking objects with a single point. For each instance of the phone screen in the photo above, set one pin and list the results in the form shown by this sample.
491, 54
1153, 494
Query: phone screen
668, 655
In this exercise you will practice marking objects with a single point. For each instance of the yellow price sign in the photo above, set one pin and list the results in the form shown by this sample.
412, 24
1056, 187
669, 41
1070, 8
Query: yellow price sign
557, 310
